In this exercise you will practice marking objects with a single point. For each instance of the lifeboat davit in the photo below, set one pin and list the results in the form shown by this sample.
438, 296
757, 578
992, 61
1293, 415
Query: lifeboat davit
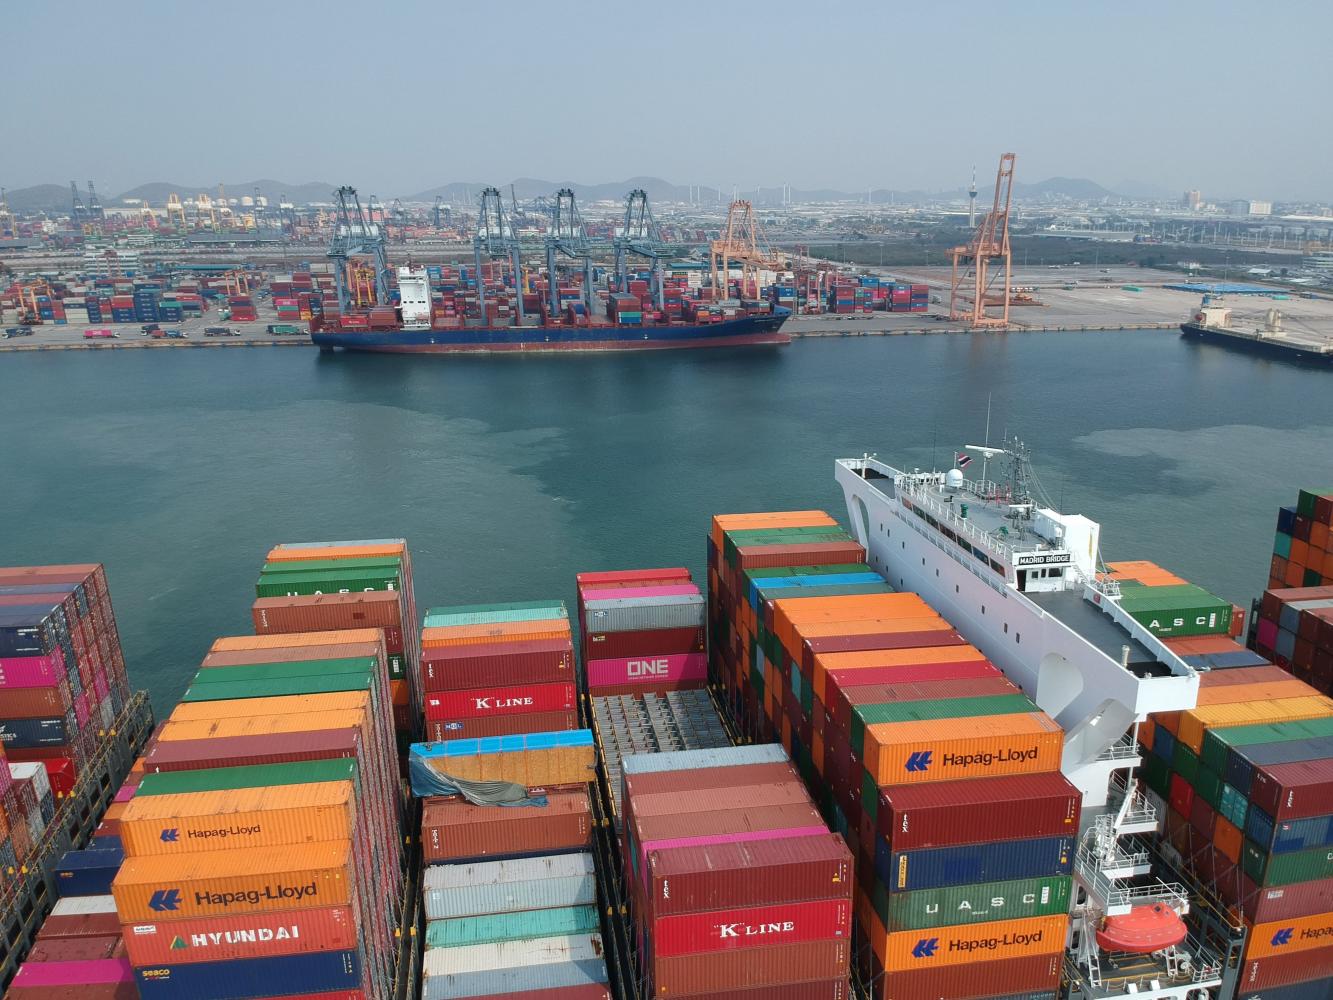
1142, 929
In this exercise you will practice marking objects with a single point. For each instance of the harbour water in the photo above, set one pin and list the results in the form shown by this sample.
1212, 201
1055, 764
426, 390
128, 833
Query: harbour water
179, 469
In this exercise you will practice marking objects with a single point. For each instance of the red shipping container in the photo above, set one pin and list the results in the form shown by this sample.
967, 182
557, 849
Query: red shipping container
76, 949
620, 577
326, 612
237, 751
535, 661
761, 926
922, 672
864, 643
1002, 977
705, 779
948, 813
1283, 970
1294, 791
226, 939
839, 702
611, 645
1284, 902
502, 725
748, 874
78, 925
453, 829
1182, 795
824, 989
489, 702
647, 807
685, 975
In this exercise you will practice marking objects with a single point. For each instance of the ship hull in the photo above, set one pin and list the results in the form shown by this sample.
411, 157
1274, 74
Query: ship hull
747, 331
1263, 348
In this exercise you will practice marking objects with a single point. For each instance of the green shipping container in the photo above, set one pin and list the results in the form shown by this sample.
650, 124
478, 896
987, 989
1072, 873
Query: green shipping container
1185, 762
299, 668
1234, 805
482, 614
1282, 545
1209, 785
939, 708
327, 582
1218, 743
869, 796
1175, 621
324, 565
1308, 498
220, 779
276, 687
1156, 774
972, 904
1285, 869
519, 926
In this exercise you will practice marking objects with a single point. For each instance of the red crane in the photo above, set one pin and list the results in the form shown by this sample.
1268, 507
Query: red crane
977, 264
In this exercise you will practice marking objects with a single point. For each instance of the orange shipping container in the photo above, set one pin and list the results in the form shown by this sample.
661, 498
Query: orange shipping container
965, 943
953, 749
1195, 722
532, 768
849, 606
295, 704
1232, 694
1304, 933
722, 523
873, 658
472, 635
213, 883
234, 642
336, 552
262, 725
238, 818
1228, 839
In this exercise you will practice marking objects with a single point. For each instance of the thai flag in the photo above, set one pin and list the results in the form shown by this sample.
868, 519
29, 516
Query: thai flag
962, 459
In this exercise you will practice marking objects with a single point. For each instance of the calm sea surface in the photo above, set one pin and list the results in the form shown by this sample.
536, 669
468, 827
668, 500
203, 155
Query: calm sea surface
178, 469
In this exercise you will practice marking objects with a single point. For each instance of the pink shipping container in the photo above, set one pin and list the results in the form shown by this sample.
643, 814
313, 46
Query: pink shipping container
648, 669
56, 974
32, 671
759, 926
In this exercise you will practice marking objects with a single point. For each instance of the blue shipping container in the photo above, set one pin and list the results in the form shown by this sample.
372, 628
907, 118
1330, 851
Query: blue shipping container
1289, 835
90, 872
29, 734
314, 972
995, 861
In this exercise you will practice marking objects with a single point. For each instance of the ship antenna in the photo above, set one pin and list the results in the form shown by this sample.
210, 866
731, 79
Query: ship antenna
985, 455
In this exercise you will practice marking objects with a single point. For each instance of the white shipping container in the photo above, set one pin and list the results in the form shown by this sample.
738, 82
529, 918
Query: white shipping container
77, 906
511, 897
511, 967
36, 773
515, 870
633, 614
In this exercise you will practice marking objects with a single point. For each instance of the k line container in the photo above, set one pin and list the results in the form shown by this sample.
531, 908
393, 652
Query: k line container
750, 927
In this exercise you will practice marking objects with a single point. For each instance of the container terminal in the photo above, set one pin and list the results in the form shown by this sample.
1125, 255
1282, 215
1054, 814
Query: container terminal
821, 772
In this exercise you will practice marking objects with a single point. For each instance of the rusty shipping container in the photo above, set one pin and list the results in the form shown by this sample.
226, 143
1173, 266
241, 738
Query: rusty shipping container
539, 661
327, 612
948, 813
1014, 977
685, 975
271, 748
1283, 970
453, 830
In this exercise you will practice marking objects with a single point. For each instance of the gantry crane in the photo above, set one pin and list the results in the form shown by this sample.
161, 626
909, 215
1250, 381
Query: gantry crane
974, 264
743, 242
176, 210
78, 211
354, 236
569, 237
497, 240
640, 235
7, 226
95, 210
442, 213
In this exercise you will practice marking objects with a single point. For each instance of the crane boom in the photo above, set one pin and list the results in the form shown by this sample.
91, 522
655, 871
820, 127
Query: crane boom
973, 264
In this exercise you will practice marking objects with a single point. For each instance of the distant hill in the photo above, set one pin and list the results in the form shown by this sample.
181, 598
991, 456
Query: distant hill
157, 192
42, 198
527, 188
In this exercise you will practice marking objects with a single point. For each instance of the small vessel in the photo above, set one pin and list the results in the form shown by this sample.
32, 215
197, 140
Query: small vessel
1212, 323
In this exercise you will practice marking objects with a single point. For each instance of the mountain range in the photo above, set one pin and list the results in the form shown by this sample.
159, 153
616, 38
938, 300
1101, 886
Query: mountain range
55, 198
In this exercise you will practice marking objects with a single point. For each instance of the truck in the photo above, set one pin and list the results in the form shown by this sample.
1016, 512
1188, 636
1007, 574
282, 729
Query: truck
284, 329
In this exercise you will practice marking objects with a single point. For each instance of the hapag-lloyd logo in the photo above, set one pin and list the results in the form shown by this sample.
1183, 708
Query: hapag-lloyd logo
741, 929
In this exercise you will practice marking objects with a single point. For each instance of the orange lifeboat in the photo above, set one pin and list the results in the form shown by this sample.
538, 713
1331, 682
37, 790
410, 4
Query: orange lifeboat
1142, 929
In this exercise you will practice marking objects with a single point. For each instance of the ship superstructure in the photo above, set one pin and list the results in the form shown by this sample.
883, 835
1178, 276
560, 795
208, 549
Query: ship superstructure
1024, 583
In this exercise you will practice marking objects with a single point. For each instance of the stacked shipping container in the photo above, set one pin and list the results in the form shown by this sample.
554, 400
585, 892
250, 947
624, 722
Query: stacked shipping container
317, 586
733, 880
901, 729
262, 848
641, 630
62, 683
1303, 546
1295, 631
1247, 791
498, 670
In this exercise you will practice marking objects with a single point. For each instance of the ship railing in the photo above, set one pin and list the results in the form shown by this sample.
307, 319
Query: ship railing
1140, 808
961, 525
1173, 894
1126, 749
1091, 865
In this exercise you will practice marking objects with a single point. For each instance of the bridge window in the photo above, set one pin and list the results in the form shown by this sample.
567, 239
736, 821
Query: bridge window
983, 609
1006, 628
955, 588
1018, 637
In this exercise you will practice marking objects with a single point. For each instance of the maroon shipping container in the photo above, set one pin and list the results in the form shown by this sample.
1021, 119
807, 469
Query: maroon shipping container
796, 816
589, 991
1002, 977
824, 989
646, 807
90, 991
705, 779
1285, 902
810, 554
685, 975
751, 873
751, 927
1294, 791
491, 701
235, 751
615, 578
37, 702
839, 701
536, 661
1283, 970
501, 725
947, 813
663, 641
882, 640
454, 830
326, 612
76, 925
76, 949
922, 673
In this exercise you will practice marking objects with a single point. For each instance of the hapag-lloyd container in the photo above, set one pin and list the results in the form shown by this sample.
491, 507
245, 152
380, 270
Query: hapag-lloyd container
491, 701
687, 975
647, 670
758, 926
1282, 937
227, 939
950, 750
214, 883
312, 972
456, 830
749, 873
508, 968
967, 943
1007, 808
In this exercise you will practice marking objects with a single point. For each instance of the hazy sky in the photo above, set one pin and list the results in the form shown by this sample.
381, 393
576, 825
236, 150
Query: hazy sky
1231, 98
